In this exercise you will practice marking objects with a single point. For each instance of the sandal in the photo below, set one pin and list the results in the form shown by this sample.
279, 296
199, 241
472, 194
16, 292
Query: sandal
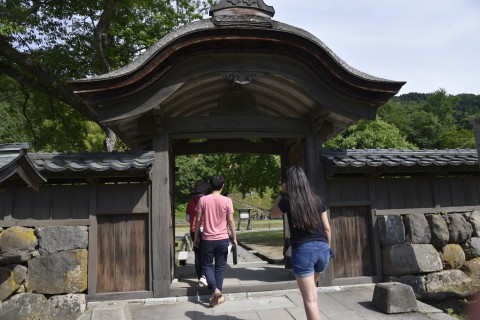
217, 299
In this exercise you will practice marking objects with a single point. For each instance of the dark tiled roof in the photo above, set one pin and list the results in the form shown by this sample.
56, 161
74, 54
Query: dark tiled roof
99, 161
400, 158
10, 152
16, 169
361, 158
7, 159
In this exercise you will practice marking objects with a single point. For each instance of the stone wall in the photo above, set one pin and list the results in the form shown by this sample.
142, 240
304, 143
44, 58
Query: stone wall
437, 254
43, 271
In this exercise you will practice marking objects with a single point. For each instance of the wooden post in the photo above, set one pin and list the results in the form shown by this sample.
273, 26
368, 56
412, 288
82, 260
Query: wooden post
377, 250
161, 215
92, 237
287, 249
476, 129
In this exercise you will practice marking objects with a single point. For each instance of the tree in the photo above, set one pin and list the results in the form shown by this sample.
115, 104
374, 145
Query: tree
12, 128
189, 169
243, 173
47, 124
45, 43
435, 120
376, 134
442, 105
248, 172
463, 139
420, 127
468, 109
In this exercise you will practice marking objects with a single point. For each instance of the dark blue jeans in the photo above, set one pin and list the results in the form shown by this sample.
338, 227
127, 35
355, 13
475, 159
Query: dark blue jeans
309, 258
198, 255
214, 250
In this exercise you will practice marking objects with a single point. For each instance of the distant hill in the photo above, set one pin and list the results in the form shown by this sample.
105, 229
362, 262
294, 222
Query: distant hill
467, 102
412, 97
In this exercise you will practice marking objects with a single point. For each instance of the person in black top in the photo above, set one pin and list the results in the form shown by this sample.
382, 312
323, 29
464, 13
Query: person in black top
310, 234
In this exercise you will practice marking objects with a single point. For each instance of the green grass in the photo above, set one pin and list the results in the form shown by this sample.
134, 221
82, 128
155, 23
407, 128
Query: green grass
256, 224
272, 238
260, 224
252, 200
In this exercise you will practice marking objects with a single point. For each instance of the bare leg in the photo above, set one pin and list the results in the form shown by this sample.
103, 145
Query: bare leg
308, 290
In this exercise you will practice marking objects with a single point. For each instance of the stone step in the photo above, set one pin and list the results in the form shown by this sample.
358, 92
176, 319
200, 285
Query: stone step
108, 310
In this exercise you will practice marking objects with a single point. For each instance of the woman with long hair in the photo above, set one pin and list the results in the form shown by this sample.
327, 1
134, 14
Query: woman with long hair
310, 234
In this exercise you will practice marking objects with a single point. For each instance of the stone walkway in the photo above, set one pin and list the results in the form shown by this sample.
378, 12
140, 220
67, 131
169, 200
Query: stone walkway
254, 289
336, 303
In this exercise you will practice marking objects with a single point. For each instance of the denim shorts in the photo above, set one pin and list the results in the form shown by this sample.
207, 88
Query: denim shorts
309, 258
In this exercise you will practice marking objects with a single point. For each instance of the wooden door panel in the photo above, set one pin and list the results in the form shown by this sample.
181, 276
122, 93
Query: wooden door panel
351, 242
122, 254
105, 254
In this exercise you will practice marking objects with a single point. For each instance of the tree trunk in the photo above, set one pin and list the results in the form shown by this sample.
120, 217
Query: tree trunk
111, 140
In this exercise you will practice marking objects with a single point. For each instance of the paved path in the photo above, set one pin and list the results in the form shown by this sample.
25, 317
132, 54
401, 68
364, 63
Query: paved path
251, 274
256, 290
336, 303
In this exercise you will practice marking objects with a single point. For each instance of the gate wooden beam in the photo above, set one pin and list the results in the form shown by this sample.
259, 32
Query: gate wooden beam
161, 214
236, 127
227, 146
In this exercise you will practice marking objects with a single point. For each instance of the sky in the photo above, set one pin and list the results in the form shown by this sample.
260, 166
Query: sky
430, 44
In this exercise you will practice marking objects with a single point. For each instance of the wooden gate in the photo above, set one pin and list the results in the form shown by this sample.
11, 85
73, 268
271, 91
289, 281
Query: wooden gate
351, 240
122, 253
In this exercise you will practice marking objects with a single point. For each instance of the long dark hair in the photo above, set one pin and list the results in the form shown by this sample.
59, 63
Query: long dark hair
304, 203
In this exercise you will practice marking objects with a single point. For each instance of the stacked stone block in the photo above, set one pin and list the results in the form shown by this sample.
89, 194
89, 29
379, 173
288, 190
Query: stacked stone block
44, 271
438, 255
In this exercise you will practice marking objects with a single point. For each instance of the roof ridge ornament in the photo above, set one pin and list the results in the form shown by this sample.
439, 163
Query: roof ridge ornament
242, 7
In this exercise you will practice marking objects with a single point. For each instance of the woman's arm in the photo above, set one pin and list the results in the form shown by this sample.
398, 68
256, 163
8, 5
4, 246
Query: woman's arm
326, 227
275, 211
196, 241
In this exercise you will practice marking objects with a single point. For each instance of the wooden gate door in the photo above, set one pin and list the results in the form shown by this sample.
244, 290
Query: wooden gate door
351, 241
122, 253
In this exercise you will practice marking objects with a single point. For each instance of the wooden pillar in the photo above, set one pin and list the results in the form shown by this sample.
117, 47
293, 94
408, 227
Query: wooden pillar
476, 129
314, 165
161, 215
377, 250
92, 237
316, 176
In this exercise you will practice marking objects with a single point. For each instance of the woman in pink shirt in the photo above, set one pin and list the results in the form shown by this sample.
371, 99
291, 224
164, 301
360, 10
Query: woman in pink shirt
217, 213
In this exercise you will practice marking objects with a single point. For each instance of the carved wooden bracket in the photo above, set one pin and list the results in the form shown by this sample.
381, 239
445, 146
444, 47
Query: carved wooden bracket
233, 7
240, 77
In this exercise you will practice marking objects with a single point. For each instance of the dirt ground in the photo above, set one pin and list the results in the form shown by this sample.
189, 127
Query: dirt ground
273, 253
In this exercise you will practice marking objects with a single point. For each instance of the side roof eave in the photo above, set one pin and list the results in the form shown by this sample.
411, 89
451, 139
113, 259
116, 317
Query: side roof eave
398, 160
16, 163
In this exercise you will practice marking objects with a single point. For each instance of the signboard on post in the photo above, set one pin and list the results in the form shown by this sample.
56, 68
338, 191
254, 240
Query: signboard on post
244, 214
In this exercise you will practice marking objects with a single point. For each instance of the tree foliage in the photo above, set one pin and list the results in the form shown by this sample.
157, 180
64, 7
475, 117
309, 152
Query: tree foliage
45, 43
243, 173
434, 121
376, 134
189, 169
419, 127
247, 172
457, 139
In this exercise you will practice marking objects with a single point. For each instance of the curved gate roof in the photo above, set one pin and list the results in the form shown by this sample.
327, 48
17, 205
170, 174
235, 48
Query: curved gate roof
239, 62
